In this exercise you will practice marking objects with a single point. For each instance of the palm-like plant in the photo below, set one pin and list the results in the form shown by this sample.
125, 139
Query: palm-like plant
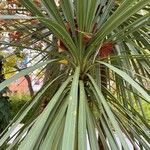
96, 82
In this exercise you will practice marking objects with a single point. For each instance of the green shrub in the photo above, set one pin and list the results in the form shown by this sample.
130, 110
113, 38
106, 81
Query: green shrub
17, 102
5, 115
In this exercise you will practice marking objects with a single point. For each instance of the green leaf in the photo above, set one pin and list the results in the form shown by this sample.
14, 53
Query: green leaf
38, 126
68, 10
82, 119
63, 35
54, 127
126, 77
110, 114
69, 136
24, 111
53, 10
32, 7
122, 14
91, 130
23, 73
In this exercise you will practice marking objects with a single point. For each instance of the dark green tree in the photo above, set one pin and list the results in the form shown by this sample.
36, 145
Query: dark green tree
5, 112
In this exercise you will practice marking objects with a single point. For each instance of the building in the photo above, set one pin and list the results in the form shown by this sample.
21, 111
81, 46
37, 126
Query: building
20, 86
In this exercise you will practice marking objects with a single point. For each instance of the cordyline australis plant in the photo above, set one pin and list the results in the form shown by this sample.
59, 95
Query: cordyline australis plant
99, 68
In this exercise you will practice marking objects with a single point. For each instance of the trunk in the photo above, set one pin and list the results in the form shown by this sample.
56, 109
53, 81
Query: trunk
48, 76
44, 98
27, 77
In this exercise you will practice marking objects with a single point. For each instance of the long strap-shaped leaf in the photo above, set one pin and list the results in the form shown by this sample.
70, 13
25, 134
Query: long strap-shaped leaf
93, 141
107, 129
32, 7
62, 34
116, 19
30, 140
91, 6
54, 11
68, 10
50, 123
54, 127
110, 135
135, 25
110, 114
23, 112
126, 77
112, 23
81, 13
105, 14
121, 108
23, 73
71, 118
82, 119
57, 142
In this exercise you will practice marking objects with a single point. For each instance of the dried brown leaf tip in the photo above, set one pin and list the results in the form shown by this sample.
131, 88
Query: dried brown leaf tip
106, 49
